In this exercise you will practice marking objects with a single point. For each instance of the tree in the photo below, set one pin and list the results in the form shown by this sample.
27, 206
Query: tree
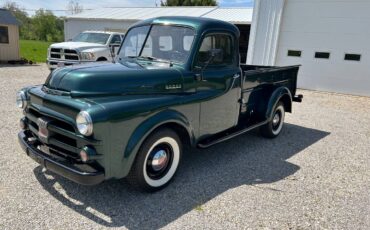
46, 26
189, 3
74, 7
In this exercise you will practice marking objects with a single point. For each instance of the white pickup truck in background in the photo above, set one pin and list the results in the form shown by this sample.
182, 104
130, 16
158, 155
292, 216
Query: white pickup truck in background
88, 46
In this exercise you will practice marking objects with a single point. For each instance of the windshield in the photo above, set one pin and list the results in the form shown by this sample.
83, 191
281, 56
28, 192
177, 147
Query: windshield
92, 38
166, 43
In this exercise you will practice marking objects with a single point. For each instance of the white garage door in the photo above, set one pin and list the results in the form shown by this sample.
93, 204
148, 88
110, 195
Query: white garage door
331, 39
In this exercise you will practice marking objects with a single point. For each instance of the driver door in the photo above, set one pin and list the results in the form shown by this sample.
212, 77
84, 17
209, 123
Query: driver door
218, 80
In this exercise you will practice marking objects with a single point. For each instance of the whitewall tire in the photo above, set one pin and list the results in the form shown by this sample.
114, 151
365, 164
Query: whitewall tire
157, 161
273, 128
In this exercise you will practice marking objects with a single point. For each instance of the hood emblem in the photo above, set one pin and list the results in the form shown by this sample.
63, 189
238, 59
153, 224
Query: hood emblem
173, 86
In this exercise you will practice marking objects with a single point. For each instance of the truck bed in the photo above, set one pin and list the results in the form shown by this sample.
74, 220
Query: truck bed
255, 76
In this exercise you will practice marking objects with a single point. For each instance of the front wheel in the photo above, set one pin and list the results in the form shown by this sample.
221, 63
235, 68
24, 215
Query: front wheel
157, 161
273, 128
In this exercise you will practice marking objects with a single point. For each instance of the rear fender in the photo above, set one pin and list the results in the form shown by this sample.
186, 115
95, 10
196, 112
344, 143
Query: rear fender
280, 94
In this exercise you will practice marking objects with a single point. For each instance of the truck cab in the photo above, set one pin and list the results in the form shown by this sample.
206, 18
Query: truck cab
85, 47
176, 81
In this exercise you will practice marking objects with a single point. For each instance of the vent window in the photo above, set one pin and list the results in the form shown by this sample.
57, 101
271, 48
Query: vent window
294, 53
352, 57
322, 55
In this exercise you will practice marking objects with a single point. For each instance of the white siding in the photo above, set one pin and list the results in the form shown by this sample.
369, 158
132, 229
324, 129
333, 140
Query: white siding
74, 26
141, 13
10, 51
122, 18
335, 26
264, 33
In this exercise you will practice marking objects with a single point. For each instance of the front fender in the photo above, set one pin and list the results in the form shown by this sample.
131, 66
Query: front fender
281, 93
146, 128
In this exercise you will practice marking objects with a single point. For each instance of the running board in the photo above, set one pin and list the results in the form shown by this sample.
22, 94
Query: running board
224, 136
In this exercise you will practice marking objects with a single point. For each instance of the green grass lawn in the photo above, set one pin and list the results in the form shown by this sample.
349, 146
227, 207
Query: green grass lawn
34, 50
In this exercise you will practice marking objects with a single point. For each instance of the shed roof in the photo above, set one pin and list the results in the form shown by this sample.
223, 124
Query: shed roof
7, 18
231, 14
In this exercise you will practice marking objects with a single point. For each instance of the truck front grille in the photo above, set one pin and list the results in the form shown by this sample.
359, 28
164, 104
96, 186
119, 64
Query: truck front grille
64, 54
55, 50
62, 138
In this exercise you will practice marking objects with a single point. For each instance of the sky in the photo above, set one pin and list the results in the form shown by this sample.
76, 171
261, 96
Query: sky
91, 4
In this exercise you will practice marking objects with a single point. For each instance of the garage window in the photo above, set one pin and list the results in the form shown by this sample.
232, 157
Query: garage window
294, 53
352, 57
4, 35
322, 55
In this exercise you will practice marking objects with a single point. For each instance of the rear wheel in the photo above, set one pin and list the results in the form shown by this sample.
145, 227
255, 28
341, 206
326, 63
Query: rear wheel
273, 128
157, 161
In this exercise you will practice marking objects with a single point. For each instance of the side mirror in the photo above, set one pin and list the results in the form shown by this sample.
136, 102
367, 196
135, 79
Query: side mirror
117, 43
113, 48
213, 54
210, 56
113, 52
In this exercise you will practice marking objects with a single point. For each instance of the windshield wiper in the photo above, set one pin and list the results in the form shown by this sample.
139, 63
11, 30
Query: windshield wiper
151, 58
130, 57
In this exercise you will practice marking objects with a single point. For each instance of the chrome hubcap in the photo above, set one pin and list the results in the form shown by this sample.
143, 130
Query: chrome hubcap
159, 160
276, 119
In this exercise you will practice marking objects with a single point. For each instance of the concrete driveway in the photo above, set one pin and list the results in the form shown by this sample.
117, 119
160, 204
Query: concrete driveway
315, 175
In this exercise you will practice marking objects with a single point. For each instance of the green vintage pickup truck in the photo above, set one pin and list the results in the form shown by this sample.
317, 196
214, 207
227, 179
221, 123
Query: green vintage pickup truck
176, 81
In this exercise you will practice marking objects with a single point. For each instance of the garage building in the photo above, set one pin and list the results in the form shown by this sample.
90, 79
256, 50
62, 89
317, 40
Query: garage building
121, 18
329, 38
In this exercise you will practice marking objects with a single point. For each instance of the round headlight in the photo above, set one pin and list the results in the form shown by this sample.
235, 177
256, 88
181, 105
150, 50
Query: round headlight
84, 123
21, 99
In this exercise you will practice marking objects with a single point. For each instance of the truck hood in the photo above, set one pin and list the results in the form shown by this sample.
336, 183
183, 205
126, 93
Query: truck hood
98, 79
76, 45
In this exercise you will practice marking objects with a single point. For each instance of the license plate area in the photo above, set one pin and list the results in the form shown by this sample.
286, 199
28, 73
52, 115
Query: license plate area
60, 64
44, 149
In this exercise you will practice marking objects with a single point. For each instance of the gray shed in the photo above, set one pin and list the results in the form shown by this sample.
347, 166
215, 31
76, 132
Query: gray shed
9, 36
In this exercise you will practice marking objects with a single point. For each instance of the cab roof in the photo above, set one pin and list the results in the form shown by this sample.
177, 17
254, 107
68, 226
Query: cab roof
199, 24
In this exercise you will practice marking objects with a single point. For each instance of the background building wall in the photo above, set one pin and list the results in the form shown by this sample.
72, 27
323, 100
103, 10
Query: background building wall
264, 33
73, 27
10, 51
337, 27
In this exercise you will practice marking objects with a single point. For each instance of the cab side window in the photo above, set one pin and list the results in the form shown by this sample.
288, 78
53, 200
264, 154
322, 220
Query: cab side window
220, 46
116, 40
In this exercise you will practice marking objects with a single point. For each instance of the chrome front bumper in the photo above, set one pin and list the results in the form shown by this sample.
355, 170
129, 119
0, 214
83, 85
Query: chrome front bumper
63, 168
